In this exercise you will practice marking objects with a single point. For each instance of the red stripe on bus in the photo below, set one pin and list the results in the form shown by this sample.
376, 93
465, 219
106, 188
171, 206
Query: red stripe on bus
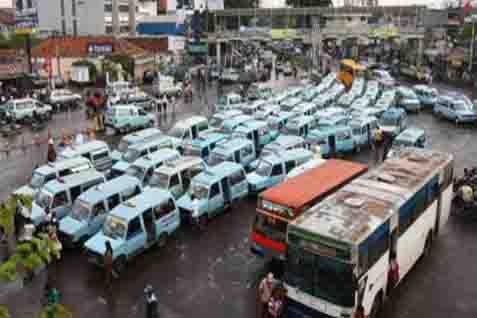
265, 241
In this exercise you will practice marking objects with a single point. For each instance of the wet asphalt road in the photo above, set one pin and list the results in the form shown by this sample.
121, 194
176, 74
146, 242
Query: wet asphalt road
213, 274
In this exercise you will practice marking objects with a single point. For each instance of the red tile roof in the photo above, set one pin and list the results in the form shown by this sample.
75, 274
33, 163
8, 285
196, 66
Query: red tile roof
68, 46
152, 45
300, 190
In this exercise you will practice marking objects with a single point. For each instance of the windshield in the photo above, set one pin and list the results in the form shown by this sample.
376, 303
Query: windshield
176, 132
36, 180
216, 158
387, 121
198, 190
461, 105
264, 168
114, 227
123, 146
135, 171
80, 210
222, 100
320, 276
131, 155
271, 227
44, 199
159, 180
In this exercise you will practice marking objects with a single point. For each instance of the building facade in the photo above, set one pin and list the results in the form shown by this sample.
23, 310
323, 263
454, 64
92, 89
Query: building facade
92, 17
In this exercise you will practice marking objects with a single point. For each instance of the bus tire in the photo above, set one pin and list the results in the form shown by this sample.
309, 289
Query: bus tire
428, 245
376, 307
162, 241
119, 264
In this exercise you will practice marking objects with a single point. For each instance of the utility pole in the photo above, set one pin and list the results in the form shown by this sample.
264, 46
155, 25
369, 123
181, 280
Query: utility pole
115, 17
132, 17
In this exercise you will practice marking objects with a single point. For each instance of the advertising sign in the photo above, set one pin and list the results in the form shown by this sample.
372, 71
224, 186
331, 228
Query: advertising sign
26, 21
100, 48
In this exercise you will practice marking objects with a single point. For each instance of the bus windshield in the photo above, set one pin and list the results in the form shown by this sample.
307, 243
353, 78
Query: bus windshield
320, 276
271, 227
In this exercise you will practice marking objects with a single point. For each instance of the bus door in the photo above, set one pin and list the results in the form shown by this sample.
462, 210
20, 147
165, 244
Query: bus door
368, 132
256, 139
149, 225
332, 145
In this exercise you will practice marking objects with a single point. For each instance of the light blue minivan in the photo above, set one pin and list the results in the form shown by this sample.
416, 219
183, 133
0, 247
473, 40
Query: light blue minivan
143, 168
238, 150
299, 126
203, 145
257, 131
91, 208
133, 139
363, 129
140, 150
58, 195
135, 226
213, 191
332, 141
273, 168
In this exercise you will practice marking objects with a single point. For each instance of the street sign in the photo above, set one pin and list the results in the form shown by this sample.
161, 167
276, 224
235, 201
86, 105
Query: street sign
26, 21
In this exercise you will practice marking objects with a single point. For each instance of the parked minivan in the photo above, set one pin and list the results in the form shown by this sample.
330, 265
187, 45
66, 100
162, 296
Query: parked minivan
96, 151
91, 208
140, 150
175, 176
272, 169
58, 195
212, 192
51, 171
143, 168
135, 226
133, 139
189, 128
238, 150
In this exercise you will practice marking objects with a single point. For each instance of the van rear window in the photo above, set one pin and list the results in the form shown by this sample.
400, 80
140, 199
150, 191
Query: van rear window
100, 155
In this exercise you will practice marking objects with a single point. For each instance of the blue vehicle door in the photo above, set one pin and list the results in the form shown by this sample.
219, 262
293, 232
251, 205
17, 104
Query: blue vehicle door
61, 205
332, 145
136, 237
237, 157
238, 184
98, 216
175, 186
167, 217
149, 225
277, 174
216, 199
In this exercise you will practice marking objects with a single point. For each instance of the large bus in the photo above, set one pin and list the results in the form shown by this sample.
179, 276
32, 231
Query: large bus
281, 204
340, 251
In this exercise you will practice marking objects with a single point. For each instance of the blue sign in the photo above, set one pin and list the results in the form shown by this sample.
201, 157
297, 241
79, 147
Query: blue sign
100, 48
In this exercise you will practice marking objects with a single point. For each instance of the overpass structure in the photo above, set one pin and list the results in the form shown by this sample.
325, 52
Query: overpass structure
313, 25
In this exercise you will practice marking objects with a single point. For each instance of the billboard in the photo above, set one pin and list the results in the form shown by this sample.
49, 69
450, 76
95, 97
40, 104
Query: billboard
26, 21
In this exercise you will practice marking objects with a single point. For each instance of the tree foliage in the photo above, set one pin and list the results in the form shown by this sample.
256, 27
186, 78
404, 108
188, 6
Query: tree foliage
4, 312
55, 311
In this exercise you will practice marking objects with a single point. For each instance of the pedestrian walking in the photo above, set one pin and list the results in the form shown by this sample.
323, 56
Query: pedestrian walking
264, 294
173, 104
152, 308
275, 305
393, 273
378, 140
108, 264
51, 155
164, 104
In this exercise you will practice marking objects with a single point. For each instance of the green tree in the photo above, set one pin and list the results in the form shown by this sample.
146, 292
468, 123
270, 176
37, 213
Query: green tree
4, 312
55, 311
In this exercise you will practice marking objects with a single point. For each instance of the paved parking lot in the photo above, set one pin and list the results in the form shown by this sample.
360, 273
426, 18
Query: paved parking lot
213, 274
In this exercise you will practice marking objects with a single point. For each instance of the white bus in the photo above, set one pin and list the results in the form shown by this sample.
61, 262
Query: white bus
339, 251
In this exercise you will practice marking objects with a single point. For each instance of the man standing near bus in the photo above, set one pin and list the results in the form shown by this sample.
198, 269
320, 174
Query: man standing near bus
265, 290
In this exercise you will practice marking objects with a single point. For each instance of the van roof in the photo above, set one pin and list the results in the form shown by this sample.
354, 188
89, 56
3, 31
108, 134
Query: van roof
230, 145
355, 211
105, 190
293, 154
362, 120
393, 112
321, 179
156, 157
218, 172
136, 205
285, 141
72, 180
141, 135
62, 164
329, 131
206, 139
191, 121
152, 142
84, 148
411, 134
300, 120
173, 166
252, 124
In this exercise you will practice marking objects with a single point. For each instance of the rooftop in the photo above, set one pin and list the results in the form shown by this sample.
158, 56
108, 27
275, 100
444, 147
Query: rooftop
351, 214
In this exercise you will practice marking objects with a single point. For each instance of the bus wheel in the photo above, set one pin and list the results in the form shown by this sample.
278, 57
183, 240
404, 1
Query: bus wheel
120, 264
376, 306
161, 242
428, 245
